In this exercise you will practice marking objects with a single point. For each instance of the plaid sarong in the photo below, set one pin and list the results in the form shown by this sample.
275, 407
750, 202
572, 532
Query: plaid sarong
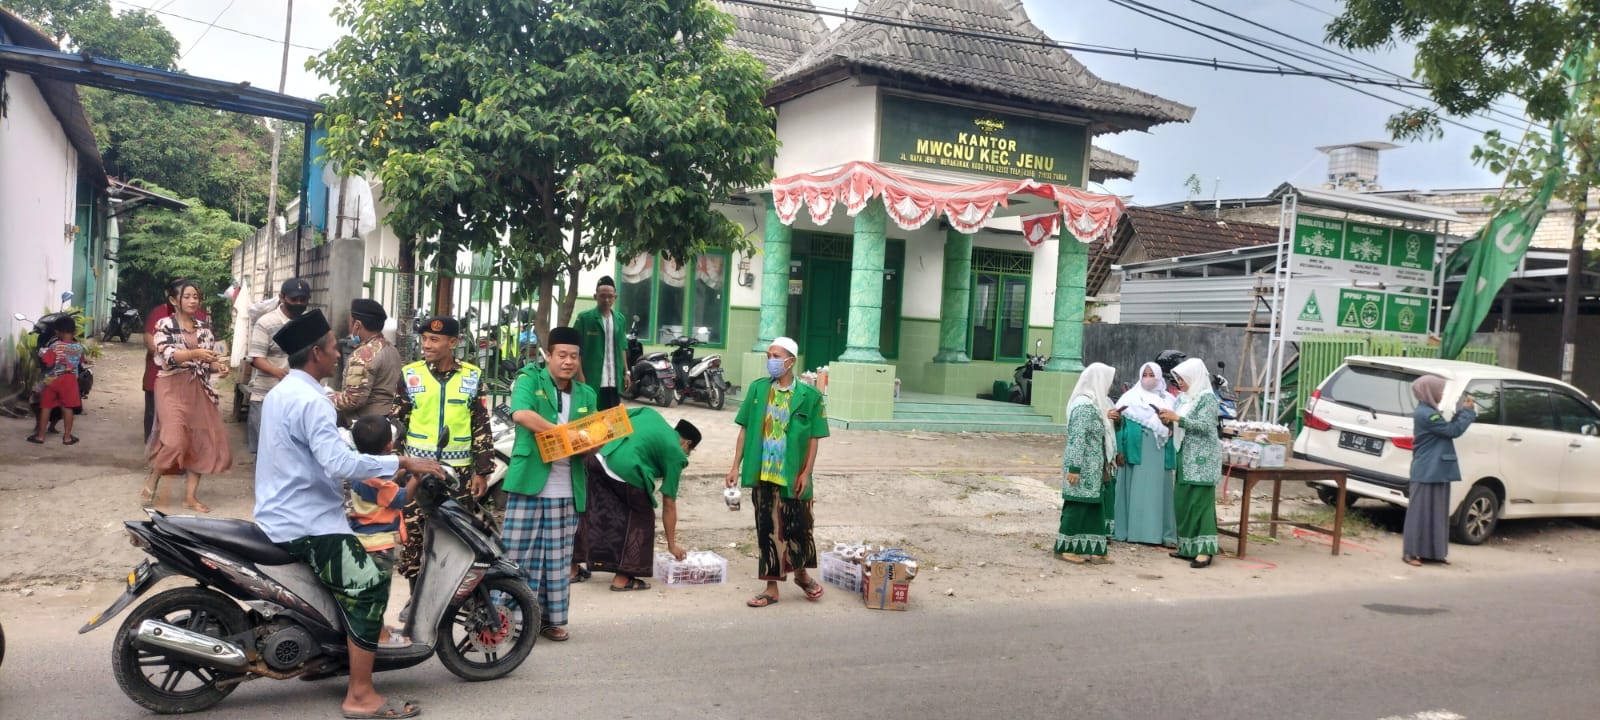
538, 537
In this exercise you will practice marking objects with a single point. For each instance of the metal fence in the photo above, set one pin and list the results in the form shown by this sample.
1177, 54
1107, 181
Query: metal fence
496, 323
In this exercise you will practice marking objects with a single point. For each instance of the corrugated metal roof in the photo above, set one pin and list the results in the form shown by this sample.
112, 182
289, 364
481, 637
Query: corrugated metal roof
1189, 301
1365, 203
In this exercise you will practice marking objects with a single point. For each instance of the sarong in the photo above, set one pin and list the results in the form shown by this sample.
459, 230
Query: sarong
359, 582
538, 537
1196, 509
1083, 527
783, 532
617, 530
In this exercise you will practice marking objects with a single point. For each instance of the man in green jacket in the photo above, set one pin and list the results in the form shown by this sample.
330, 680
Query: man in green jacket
618, 531
602, 347
780, 422
543, 499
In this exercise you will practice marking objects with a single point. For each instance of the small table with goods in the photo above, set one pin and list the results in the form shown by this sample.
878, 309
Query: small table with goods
1293, 470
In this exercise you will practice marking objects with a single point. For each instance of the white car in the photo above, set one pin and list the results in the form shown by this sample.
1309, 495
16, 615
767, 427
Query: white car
1534, 450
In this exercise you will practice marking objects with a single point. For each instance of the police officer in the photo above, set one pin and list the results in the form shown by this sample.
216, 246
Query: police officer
437, 402
373, 372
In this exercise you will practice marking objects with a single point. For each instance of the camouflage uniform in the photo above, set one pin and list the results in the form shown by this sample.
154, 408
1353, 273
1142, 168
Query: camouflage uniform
370, 380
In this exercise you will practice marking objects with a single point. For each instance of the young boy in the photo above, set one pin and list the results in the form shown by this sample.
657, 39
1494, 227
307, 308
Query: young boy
375, 505
63, 358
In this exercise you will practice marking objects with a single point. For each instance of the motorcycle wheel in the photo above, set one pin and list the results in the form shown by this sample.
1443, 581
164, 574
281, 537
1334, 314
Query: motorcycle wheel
125, 334
714, 396
664, 395
171, 685
498, 624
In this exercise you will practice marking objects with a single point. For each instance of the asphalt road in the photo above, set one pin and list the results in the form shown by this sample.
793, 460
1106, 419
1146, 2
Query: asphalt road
1445, 647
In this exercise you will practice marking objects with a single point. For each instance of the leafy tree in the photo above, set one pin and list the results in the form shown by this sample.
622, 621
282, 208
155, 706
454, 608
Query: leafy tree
1473, 53
159, 244
548, 133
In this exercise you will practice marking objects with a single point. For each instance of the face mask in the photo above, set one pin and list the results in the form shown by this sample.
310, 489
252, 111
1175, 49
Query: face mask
355, 339
775, 367
294, 310
1150, 383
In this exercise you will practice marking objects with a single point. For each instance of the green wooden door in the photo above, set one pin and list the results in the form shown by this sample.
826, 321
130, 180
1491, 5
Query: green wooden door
827, 301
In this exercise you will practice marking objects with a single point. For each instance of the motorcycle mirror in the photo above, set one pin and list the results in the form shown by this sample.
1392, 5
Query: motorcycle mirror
1038, 343
636, 318
20, 317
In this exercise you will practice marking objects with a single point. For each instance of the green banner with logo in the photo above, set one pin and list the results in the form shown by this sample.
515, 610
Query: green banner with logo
1502, 243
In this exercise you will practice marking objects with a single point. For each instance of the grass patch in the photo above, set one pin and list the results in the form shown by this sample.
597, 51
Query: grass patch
1355, 523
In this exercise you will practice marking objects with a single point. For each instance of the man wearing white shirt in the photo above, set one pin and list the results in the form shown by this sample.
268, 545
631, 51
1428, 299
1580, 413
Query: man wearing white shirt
602, 346
300, 473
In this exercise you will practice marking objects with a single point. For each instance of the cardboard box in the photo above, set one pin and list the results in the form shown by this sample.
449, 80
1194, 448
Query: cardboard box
887, 586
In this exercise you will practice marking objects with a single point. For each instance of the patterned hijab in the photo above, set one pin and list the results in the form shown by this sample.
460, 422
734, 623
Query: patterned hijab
1428, 389
1092, 387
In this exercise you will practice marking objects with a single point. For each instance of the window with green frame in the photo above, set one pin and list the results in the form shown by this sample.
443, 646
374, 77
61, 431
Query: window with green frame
675, 300
1001, 288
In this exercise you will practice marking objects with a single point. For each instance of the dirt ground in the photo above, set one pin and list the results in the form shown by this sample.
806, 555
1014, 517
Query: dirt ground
979, 511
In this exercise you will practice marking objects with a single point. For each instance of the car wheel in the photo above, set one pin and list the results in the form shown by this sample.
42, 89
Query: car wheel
1475, 520
1330, 496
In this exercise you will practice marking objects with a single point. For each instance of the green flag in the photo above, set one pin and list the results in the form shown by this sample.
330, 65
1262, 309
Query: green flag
1500, 245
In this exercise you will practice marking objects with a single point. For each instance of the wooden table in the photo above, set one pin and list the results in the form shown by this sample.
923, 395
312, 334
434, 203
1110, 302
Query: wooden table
1295, 470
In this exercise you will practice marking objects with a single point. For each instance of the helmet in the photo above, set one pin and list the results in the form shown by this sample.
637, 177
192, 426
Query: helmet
1169, 359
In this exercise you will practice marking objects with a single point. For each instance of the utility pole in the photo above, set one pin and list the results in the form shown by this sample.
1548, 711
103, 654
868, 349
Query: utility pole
277, 143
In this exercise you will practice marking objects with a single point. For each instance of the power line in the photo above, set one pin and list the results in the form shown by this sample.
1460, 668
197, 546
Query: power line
1134, 53
1312, 8
224, 28
1152, 13
203, 33
1344, 56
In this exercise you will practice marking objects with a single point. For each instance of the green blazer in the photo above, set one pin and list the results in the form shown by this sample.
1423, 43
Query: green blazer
535, 390
650, 453
592, 345
808, 419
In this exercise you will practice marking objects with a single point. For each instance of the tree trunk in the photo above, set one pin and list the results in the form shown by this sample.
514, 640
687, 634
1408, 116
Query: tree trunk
541, 314
1569, 308
569, 301
444, 282
405, 293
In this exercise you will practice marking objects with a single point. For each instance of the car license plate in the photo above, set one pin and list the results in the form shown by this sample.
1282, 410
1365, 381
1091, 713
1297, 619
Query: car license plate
1361, 443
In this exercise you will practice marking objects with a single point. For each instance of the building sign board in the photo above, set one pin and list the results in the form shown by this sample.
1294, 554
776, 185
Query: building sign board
1329, 308
982, 142
1362, 251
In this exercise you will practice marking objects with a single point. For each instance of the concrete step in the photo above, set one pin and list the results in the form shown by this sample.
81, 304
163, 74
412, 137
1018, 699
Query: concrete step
977, 407
1027, 417
957, 424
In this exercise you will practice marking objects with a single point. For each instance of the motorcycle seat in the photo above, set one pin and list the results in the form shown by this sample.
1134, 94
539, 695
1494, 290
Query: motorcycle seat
239, 537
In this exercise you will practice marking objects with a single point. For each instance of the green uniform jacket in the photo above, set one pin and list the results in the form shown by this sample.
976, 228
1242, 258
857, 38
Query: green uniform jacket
808, 419
650, 452
592, 345
535, 390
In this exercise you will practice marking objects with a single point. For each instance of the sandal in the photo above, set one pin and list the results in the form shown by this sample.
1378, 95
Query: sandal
1100, 560
582, 575
632, 584
554, 634
388, 709
762, 600
1412, 561
35, 440
196, 506
1071, 558
1197, 564
813, 590
70, 440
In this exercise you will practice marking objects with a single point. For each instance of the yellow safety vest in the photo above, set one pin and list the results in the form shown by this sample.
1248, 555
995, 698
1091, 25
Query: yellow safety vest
441, 417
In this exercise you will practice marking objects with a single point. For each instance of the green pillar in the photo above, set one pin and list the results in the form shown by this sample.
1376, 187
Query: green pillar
1072, 272
774, 280
957, 298
866, 286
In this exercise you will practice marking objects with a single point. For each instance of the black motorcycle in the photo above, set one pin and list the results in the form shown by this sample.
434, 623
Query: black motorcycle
123, 323
187, 648
653, 376
1022, 377
699, 380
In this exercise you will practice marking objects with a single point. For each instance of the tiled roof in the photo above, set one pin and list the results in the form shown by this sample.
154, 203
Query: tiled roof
1041, 77
1166, 234
776, 37
1106, 165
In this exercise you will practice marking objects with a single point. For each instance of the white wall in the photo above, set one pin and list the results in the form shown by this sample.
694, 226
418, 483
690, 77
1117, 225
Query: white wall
38, 192
832, 126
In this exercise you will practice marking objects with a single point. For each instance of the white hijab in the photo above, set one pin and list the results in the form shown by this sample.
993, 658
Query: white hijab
1197, 384
1092, 387
1136, 404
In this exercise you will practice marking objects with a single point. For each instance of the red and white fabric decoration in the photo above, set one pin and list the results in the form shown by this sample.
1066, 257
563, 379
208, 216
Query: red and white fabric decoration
911, 204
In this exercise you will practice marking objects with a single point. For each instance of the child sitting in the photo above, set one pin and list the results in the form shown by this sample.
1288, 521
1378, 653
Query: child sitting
62, 359
375, 506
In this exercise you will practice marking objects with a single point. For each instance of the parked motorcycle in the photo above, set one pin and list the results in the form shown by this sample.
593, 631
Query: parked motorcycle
653, 374
124, 322
187, 648
699, 380
1022, 378
44, 334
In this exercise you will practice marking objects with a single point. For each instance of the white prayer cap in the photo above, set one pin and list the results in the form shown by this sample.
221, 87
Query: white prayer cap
788, 344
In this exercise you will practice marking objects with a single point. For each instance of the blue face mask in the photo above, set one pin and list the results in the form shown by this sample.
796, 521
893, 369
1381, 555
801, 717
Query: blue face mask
355, 339
775, 367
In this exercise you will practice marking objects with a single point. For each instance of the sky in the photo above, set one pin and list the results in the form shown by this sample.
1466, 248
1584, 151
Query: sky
1249, 133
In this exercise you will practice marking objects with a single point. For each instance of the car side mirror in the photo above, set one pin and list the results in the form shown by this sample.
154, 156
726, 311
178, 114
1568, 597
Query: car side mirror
1590, 429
